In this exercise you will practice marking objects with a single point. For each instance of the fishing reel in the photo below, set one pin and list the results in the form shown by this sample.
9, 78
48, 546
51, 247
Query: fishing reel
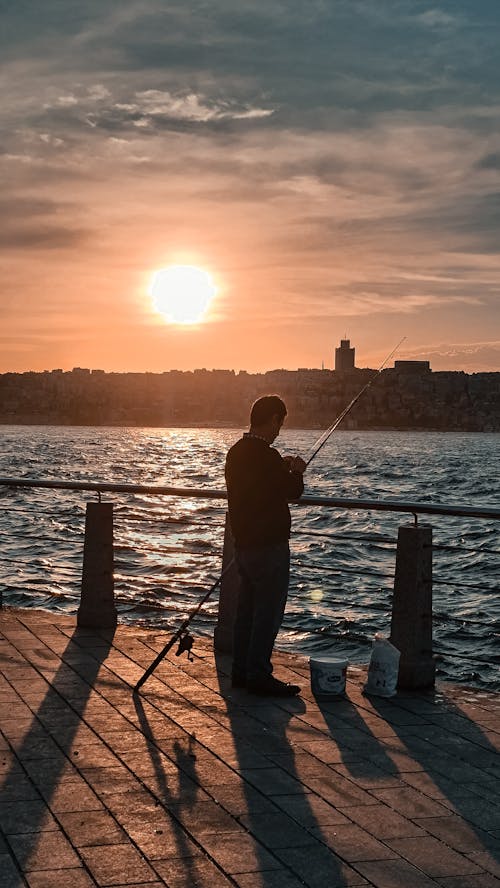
186, 642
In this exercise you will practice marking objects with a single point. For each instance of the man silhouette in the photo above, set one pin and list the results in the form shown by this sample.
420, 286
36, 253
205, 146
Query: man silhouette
260, 484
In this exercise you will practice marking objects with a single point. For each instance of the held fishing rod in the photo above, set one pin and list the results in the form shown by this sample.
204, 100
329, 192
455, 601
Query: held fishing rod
323, 438
182, 635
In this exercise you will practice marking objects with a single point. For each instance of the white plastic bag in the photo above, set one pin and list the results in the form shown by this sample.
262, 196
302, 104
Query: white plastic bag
383, 668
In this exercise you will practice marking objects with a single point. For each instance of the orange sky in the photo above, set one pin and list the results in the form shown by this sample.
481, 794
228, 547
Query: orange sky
328, 190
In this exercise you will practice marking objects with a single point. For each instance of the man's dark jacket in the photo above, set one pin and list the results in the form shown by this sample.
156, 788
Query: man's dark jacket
259, 488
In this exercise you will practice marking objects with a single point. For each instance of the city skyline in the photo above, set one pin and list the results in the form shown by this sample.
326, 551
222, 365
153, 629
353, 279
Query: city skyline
335, 169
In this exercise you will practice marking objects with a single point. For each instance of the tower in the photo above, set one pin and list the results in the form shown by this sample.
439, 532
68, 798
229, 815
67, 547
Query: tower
344, 357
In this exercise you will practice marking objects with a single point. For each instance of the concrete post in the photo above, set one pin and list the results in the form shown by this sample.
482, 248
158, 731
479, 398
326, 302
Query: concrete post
97, 607
411, 625
223, 634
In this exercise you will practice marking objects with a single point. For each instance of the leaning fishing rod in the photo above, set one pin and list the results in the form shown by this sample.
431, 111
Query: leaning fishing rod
183, 635
323, 438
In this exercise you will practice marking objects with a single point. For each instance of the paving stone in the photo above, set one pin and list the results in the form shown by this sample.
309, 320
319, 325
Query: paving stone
127, 805
161, 840
271, 879
489, 791
300, 765
39, 851
327, 751
117, 865
460, 835
487, 860
203, 818
110, 781
18, 789
68, 878
91, 828
273, 781
72, 795
9, 764
30, 816
310, 810
193, 872
241, 798
239, 759
394, 874
53, 773
92, 755
352, 843
410, 803
175, 788
437, 787
318, 867
277, 830
401, 762
432, 856
483, 880
37, 744
10, 876
383, 823
239, 853
338, 791
478, 811
367, 775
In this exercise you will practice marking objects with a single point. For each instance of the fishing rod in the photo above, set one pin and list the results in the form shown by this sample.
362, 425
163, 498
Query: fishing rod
182, 635
323, 438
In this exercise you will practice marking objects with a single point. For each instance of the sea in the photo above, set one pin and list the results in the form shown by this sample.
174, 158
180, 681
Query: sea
168, 549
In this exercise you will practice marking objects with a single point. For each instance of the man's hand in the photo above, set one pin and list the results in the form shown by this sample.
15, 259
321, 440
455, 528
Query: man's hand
295, 464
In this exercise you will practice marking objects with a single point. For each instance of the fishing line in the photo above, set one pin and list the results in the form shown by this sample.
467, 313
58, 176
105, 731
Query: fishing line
323, 438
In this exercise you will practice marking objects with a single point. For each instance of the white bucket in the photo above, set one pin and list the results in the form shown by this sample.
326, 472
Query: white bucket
328, 675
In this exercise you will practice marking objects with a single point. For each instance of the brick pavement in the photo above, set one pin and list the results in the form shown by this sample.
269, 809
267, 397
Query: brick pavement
193, 784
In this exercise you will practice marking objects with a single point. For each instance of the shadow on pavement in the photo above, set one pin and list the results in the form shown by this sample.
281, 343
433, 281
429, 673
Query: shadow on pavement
456, 768
41, 765
288, 821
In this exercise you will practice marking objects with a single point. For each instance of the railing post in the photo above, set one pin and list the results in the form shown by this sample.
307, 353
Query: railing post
97, 607
223, 634
411, 625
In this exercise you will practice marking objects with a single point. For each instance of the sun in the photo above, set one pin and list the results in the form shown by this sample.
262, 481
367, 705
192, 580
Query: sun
182, 293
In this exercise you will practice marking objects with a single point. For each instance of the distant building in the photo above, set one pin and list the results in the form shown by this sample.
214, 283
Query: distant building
344, 357
413, 367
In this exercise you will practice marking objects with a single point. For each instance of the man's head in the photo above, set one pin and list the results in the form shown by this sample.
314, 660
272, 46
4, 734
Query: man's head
267, 417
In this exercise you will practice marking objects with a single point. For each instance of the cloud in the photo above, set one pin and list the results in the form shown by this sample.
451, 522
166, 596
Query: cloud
437, 18
154, 108
338, 159
42, 237
36, 223
473, 357
489, 161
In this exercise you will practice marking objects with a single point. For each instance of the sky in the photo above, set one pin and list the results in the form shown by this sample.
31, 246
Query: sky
333, 164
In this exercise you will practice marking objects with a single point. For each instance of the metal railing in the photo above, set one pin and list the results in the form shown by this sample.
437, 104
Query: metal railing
134, 553
207, 493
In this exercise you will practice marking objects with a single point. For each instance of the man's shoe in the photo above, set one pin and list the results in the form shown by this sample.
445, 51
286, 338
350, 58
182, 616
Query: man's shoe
272, 687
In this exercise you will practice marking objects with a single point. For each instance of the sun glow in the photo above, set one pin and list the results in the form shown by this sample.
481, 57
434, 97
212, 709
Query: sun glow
182, 293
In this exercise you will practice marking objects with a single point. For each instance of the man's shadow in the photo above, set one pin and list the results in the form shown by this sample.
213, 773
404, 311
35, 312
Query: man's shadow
276, 807
42, 755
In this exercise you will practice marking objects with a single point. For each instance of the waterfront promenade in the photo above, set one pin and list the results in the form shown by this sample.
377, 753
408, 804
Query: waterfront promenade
194, 784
